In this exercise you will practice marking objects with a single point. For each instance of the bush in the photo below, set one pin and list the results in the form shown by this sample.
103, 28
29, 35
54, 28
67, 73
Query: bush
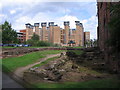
43, 43
32, 42
40, 43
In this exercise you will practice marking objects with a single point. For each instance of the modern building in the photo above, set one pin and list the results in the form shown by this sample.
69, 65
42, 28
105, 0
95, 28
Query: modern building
54, 34
22, 35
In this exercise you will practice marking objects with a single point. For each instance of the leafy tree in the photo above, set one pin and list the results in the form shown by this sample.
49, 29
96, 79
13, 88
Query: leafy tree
35, 37
95, 42
34, 41
9, 35
91, 43
43, 43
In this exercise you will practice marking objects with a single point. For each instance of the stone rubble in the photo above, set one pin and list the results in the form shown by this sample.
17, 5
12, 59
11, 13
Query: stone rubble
64, 68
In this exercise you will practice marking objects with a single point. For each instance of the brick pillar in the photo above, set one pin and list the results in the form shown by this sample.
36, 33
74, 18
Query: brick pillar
37, 30
29, 31
51, 26
43, 31
66, 28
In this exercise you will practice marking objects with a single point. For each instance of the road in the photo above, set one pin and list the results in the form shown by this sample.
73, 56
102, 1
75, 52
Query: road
8, 82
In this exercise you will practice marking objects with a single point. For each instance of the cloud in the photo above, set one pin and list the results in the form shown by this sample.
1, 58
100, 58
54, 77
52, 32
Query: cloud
69, 18
20, 12
41, 17
12, 12
2, 18
38, 18
91, 25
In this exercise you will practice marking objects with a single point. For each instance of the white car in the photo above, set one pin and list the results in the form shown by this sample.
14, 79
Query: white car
20, 45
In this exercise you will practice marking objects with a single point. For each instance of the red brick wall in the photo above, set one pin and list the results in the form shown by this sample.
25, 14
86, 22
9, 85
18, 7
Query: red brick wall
24, 35
103, 19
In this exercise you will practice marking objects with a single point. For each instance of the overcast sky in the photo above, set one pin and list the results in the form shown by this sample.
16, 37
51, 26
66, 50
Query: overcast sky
20, 12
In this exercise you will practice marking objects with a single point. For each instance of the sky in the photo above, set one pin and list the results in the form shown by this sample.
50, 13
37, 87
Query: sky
20, 12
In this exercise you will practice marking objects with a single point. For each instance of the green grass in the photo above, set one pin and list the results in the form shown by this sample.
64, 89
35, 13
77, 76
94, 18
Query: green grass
79, 47
103, 83
88, 70
74, 47
46, 61
15, 62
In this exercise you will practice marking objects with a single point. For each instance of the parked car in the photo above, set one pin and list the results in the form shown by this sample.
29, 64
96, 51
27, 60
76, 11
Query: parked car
1, 44
21, 45
27, 45
17, 45
12, 45
5, 44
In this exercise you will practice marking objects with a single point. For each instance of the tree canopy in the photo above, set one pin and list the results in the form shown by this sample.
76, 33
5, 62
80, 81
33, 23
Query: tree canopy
9, 35
35, 37
34, 41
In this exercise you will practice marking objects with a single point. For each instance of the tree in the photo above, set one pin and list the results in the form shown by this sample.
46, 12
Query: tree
95, 42
35, 37
9, 35
114, 39
87, 43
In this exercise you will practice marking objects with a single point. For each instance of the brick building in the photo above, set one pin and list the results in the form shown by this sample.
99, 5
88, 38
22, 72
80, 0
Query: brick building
22, 35
55, 34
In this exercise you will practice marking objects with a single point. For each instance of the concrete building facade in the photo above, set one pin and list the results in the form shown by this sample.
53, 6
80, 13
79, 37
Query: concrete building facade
86, 36
55, 34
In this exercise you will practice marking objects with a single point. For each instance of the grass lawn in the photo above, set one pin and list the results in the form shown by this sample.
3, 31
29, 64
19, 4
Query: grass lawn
79, 47
75, 46
15, 62
46, 61
103, 83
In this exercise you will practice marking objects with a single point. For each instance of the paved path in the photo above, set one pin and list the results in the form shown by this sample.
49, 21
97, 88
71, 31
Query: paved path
7, 82
19, 71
